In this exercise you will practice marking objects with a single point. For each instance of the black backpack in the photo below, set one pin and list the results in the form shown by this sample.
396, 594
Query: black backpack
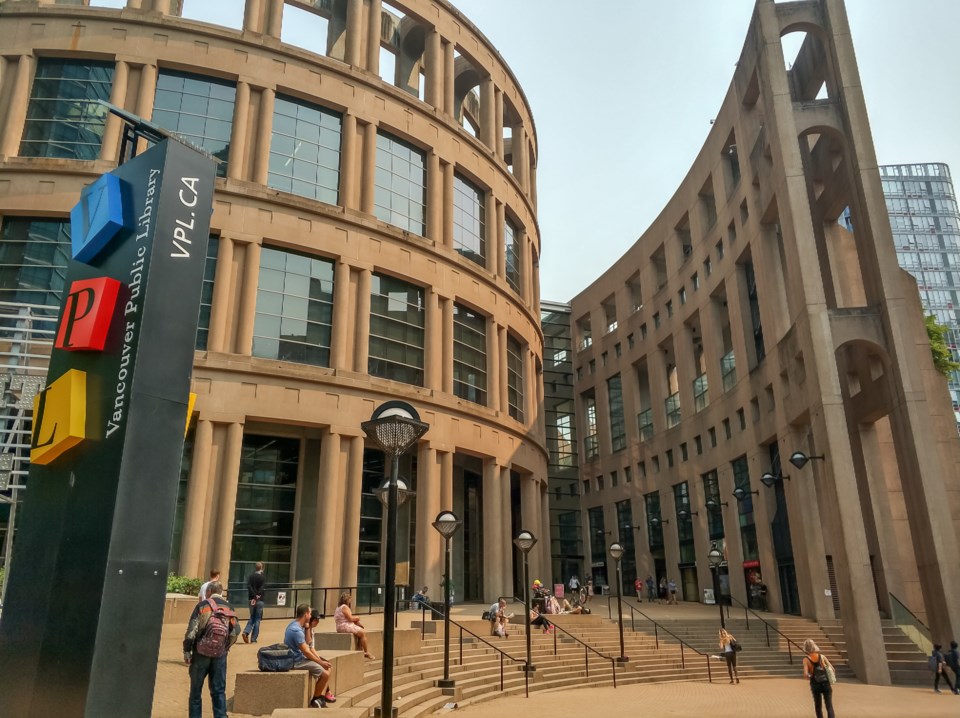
277, 658
820, 672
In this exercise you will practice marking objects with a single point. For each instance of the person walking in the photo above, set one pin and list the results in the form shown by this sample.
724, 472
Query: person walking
663, 590
214, 576
729, 646
255, 590
953, 661
816, 668
211, 631
672, 588
939, 664
574, 584
651, 593
638, 587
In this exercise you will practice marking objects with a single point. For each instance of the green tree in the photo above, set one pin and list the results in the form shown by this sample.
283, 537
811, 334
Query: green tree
942, 356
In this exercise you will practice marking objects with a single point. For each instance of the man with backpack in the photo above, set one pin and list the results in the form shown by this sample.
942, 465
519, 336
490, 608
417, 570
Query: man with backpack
212, 629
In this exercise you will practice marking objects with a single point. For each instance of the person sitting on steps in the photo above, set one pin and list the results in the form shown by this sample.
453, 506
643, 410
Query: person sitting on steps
346, 622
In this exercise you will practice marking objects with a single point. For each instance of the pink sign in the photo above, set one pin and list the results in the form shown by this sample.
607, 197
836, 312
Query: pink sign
558, 590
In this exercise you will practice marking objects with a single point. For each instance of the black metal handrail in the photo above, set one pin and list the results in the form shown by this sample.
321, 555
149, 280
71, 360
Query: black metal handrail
463, 629
767, 626
657, 627
586, 646
296, 591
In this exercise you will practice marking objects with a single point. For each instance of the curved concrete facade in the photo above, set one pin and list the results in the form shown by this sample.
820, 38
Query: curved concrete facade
745, 325
487, 448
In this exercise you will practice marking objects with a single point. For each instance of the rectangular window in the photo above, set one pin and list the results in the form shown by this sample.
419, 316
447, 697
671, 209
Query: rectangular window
671, 407
400, 185
711, 495
469, 354
728, 370
700, 393
200, 109
511, 248
206, 293
681, 499
600, 483
396, 330
645, 424
305, 150
515, 378
627, 474
748, 531
64, 119
654, 520
591, 448
469, 232
614, 479
294, 308
618, 427
33, 260
754, 301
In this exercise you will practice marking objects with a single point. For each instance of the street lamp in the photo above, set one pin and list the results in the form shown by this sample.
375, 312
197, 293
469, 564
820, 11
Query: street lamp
447, 524
395, 427
799, 459
769, 479
525, 541
616, 553
741, 494
686, 513
656, 521
715, 504
403, 493
715, 558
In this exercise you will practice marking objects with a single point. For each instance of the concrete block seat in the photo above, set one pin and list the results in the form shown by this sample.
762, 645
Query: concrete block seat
261, 693
406, 642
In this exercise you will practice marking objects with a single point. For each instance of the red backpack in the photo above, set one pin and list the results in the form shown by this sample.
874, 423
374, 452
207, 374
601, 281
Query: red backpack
216, 636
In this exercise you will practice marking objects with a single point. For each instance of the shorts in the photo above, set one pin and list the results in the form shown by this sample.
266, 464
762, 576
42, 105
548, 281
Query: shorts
315, 669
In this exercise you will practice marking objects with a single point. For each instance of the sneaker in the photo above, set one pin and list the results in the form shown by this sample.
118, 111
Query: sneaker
318, 702
329, 697
246, 637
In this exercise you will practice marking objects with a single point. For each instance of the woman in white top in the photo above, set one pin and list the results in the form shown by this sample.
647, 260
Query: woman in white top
728, 646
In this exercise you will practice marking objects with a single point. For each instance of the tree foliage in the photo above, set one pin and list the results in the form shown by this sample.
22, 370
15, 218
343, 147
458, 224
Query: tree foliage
942, 356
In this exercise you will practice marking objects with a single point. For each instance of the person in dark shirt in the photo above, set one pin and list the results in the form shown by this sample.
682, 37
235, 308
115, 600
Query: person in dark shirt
255, 584
205, 667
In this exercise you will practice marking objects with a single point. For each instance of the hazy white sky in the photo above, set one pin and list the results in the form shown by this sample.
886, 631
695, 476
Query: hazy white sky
664, 67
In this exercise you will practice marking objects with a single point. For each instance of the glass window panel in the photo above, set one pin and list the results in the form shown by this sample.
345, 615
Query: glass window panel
400, 184
515, 398
206, 293
513, 254
296, 158
469, 354
396, 330
33, 260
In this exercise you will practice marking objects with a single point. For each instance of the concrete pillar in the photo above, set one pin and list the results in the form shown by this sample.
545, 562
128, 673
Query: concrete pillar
229, 477
493, 366
493, 536
434, 62
448, 205
146, 92
354, 39
446, 308
529, 388
17, 109
361, 325
448, 79
446, 480
369, 168
110, 146
374, 10
526, 267
501, 257
498, 122
520, 159
196, 508
341, 337
238, 132
222, 291
264, 135
433, 352
546, 556
506, 531
434, 198
530, 518
248, 299
254, 16
429, 565
731, 533
353, 485
491, 234
349, 162
325, 557
504, 369
274, 18
488, 124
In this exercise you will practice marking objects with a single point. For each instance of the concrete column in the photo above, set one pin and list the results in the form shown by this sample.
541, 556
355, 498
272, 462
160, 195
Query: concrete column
325, 557
491, 232
488, 124
374, 10
433, 359
110, 146
351, 512
354, 40
533, 182
546, 545
530, 389
504, 370
526, 267
17, 109
520, 160
340, 339
248, 299
361, 323
434, 62
236, 160
435, 206
264, 134
506, 531
229, 477
254, 16
446, 308
498, 120
731, 531
448, 78
349, 163
222, 291
428, 559
448, 205
369, 167
501, 266
196, 507
146, 91
446, 480
493, 365
530, 518
274, 18
493, 536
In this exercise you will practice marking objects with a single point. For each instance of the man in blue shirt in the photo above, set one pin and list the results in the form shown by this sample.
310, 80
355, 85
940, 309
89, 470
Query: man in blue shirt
307, 659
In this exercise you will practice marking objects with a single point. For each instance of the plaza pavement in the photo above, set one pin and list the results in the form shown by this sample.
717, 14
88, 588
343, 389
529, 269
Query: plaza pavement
764, 698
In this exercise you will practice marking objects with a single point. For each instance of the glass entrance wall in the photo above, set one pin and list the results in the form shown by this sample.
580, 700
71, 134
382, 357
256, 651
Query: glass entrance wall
628, 565
266, 496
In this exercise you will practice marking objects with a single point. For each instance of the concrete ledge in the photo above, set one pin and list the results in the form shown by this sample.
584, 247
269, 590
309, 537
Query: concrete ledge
406, 642
178, 607
352, 712
260, 693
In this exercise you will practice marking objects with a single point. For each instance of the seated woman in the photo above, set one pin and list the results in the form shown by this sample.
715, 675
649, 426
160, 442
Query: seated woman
536, 619
311, 627
346, 622
567, 608
420, 597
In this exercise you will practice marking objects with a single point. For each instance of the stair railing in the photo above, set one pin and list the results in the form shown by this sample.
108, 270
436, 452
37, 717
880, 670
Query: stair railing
463, 629
586, 646
912, 627
767, 626
659, 628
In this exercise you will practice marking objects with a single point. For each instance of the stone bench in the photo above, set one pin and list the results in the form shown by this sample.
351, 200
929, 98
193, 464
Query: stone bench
261, 693
406, 642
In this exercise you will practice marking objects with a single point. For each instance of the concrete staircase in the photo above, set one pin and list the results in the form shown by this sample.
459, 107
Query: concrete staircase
908, 664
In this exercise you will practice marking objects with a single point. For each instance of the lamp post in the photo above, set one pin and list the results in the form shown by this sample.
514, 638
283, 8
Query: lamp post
525, 541
769, 480
446, 524
799, 459
616, 553
715, 557
741, 494
395, 427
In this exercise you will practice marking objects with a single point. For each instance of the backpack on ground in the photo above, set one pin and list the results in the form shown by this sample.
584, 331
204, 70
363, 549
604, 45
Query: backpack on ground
275, 659
216, 636
820, 674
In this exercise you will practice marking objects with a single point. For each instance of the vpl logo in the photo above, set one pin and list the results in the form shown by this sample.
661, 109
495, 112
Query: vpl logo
87, 313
